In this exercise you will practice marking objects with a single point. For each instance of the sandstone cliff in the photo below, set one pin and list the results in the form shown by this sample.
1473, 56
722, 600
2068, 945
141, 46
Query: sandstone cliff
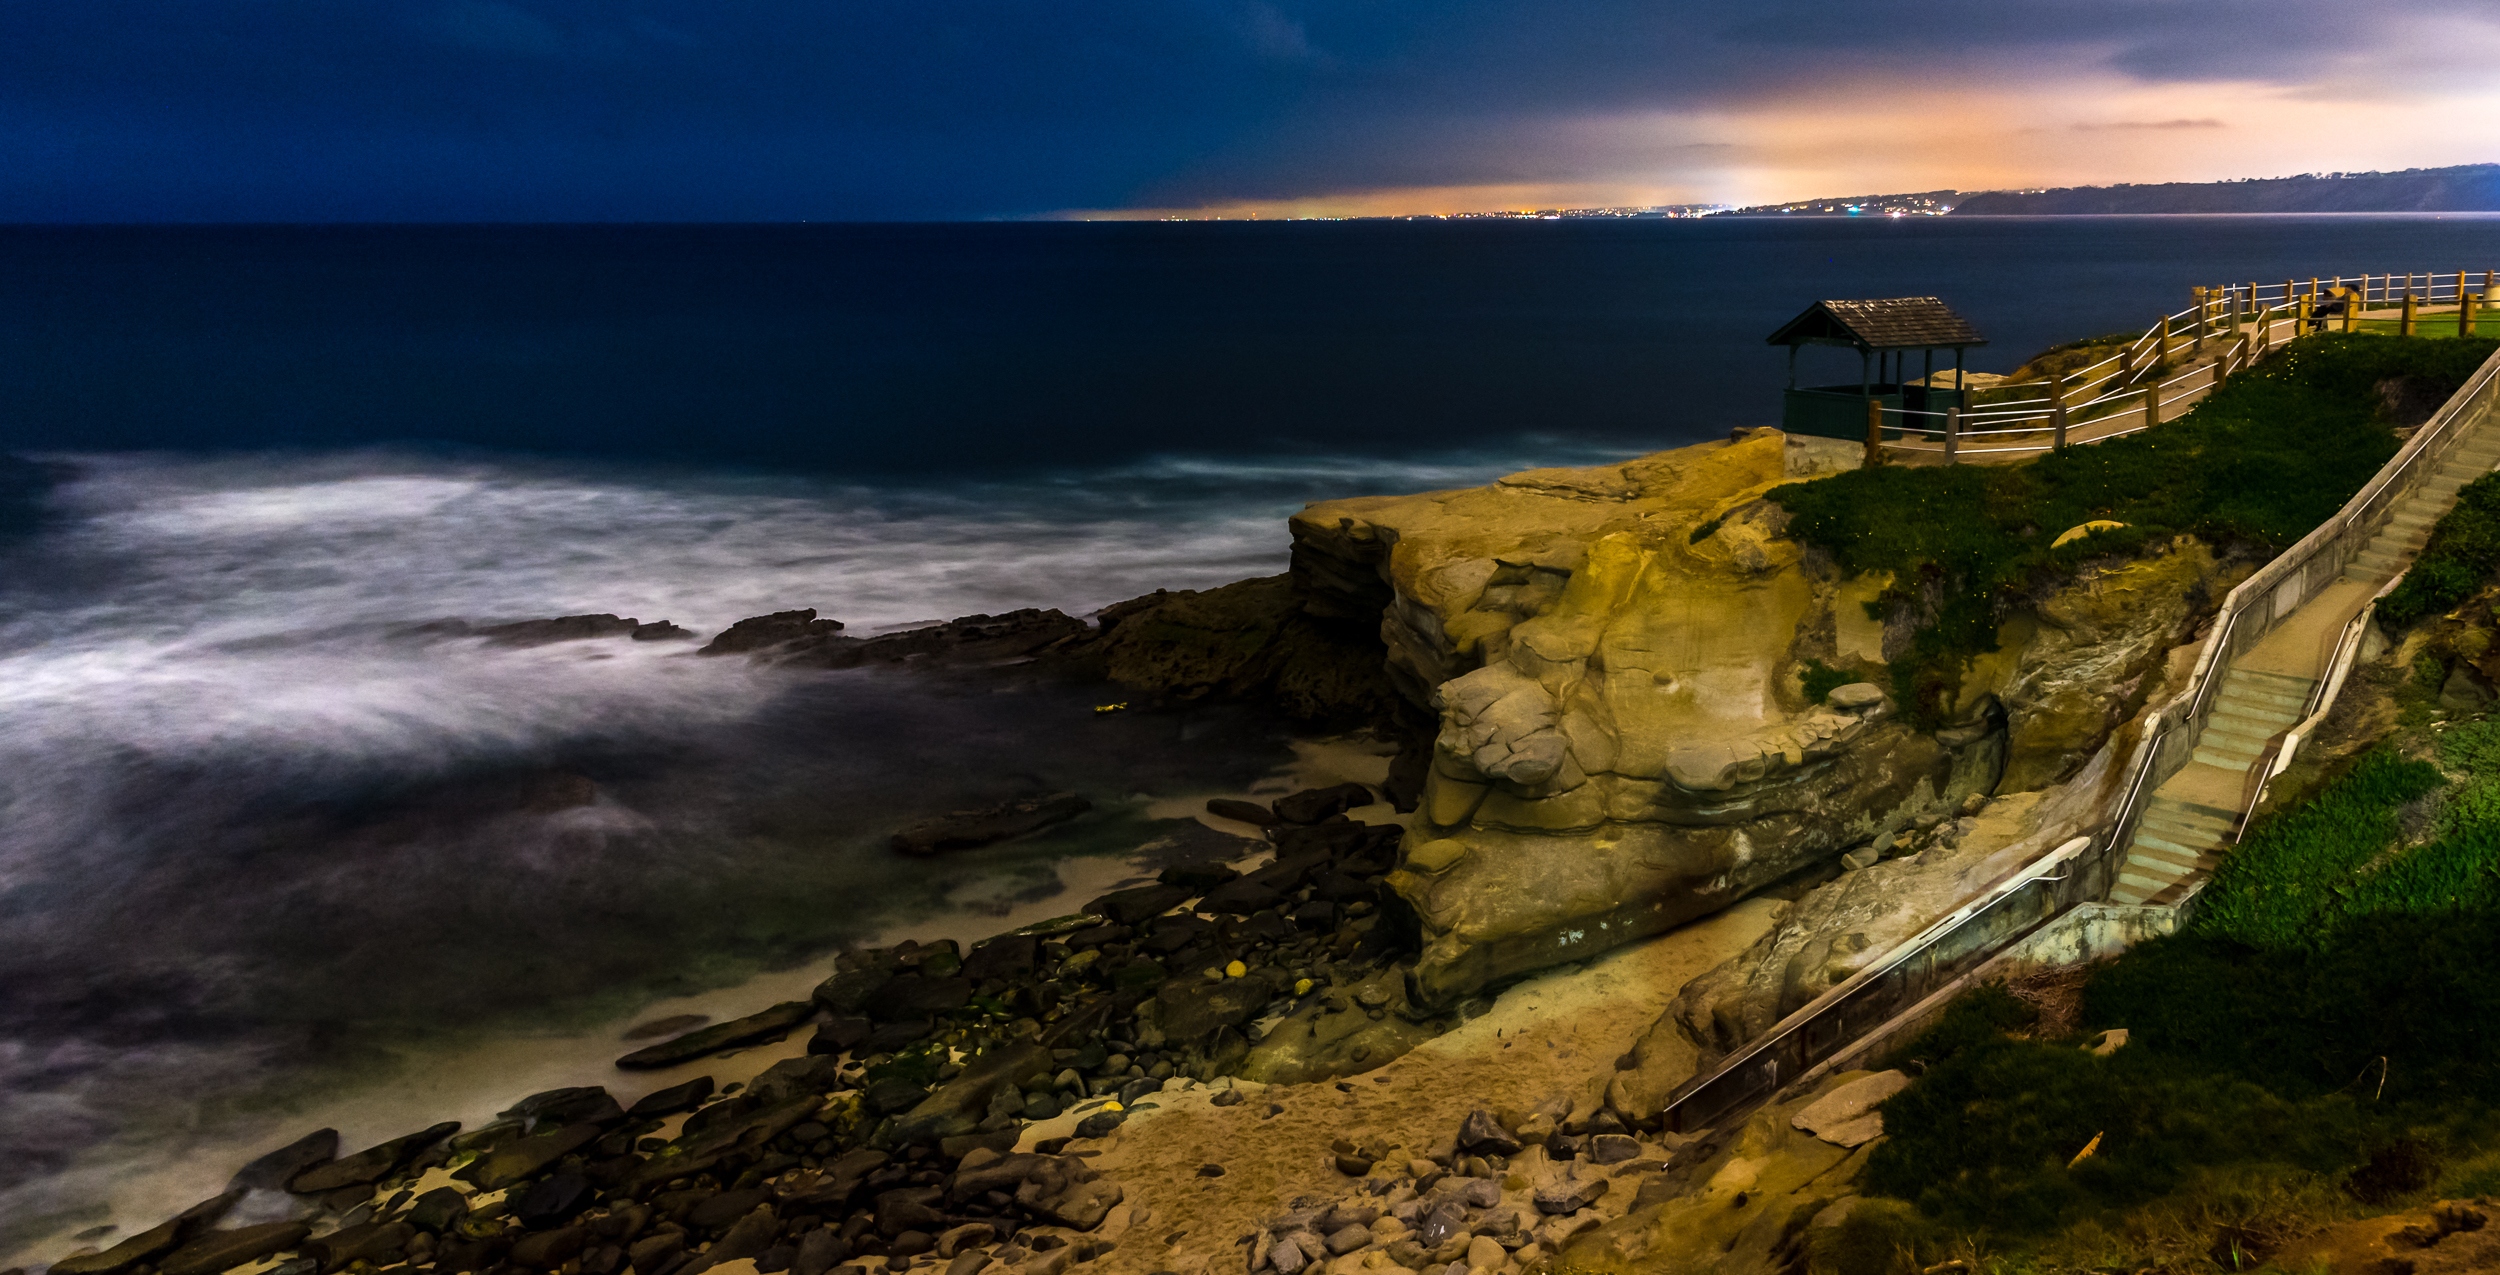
1625, 741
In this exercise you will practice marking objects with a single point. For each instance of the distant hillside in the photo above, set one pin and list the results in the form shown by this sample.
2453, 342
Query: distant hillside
2467, 188
1925, 203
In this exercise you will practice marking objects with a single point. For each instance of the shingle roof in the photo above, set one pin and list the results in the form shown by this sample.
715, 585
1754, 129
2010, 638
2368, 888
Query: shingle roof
1895, 323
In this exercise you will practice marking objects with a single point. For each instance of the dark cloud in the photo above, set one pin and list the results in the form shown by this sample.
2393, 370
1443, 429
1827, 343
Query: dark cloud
529, 109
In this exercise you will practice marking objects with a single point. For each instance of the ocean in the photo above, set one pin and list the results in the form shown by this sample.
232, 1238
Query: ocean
262, 838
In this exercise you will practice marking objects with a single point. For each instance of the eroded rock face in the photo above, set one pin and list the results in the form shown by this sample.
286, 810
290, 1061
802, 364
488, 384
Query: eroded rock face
1623, 743
2088, 656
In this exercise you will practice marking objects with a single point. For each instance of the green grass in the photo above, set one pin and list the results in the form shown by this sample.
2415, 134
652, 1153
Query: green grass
2333, 1011
2463, 550
2256, 465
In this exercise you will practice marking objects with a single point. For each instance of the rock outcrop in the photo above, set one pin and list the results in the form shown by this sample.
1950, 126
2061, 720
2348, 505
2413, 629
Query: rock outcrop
1626, 741
1624, 744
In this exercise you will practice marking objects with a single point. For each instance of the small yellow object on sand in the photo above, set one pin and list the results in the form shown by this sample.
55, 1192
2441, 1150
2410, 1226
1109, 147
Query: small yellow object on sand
1235, 970
1110, 708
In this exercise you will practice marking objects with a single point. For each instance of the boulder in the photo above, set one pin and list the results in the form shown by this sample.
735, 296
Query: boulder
224, 1250
967, 829
738, 1031
1256, 640
273, 1171
1130, 907
526, 1157
1065, 1191
670, 1101
1249, 812
765, 632
1846, 1115
1315, 804
371, 1164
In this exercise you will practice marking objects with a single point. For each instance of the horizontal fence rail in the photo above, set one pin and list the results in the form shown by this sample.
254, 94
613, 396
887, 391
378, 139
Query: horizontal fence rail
2083, 869
2247, 321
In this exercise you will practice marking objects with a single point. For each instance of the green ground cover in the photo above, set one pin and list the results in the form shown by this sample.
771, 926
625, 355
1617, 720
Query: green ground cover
2329, 1027
2255, 466
2462, 547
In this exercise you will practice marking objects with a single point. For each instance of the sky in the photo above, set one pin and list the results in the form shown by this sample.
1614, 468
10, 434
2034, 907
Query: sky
779, 110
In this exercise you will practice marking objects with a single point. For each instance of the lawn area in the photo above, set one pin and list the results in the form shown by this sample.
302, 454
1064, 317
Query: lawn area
2252, 468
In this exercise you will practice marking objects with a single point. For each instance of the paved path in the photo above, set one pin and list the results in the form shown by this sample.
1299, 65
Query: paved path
2192, 819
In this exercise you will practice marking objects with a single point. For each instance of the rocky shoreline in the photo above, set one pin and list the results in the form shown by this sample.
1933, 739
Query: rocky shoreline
1595, 744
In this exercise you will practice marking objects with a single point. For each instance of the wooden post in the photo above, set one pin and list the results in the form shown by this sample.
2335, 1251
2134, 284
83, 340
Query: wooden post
2057, 412
2161, 348
2300, 316
1952, 431
2404, 321
2152, 403
2465, 309
2352, 309
1874, 432
2204, 315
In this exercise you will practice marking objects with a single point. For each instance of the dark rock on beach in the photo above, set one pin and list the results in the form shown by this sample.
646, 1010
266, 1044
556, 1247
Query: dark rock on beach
765, 632
369, 1165
670, 1101
224, 1250
967, 829
1314, 805
738, 1031
273, 1171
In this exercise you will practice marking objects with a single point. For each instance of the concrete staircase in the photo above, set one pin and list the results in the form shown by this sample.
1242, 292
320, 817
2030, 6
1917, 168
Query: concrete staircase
2392, 549
2174, 841
2179, 836
2190, 821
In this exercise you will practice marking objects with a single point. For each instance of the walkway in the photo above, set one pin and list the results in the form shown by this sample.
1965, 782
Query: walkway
2192, 819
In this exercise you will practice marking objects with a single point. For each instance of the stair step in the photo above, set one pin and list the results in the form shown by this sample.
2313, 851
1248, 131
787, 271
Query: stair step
2237, 764
2188, 816
2198, 809
2258, 705
2157, 859
2237, 720
2171, 828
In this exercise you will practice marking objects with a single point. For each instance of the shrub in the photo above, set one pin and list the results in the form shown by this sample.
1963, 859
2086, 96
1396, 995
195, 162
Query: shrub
2265, 458
1821, 679
2463, 548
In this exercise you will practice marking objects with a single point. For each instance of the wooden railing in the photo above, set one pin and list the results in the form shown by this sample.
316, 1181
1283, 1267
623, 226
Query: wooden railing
2083, 869
2252, 320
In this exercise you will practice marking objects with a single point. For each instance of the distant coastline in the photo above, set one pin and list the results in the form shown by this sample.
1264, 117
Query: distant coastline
2462, 188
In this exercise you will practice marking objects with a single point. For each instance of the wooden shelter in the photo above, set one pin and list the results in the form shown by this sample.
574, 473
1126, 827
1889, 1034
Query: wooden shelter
1883, 332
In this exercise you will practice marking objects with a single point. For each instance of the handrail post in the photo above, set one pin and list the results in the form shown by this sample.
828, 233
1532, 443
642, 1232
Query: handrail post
2152, 404
1952, 431
1874, 432
2057, 412
2465, 308
2404, 321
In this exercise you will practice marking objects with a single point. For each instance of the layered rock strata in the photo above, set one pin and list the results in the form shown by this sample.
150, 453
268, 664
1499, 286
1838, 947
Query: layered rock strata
1625, 740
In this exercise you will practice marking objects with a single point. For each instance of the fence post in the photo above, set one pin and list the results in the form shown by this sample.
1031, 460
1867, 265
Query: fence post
2152, 403
2353, 302
2161, 348
2204, 318
2465, 308
1874, 432
2404, 321
2057, 412
2300, 315
1952, 431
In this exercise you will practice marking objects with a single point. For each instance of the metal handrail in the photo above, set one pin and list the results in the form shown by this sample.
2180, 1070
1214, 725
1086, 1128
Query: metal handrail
2191, 705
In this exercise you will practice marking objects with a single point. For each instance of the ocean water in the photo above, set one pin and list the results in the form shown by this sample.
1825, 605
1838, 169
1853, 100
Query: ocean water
257, 837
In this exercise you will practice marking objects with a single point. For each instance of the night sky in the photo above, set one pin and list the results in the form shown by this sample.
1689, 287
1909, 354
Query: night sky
569, 110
